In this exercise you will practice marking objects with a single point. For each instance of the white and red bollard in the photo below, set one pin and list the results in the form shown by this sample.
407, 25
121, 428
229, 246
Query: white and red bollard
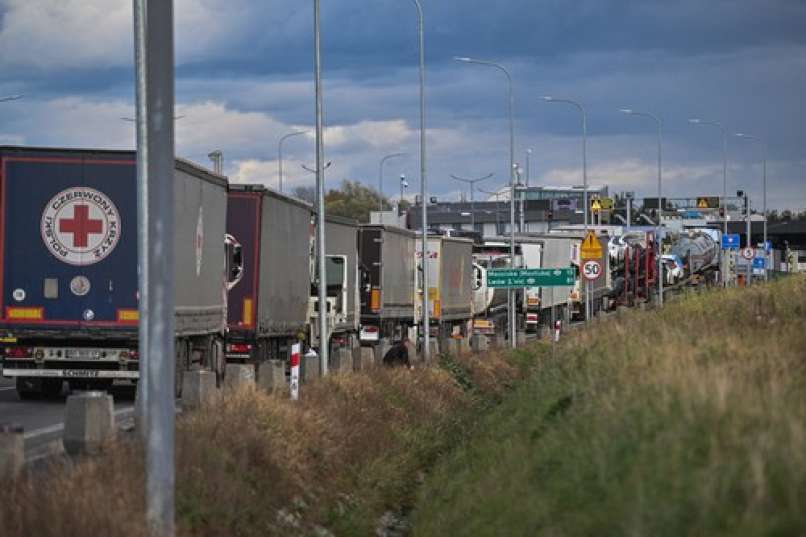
557, 326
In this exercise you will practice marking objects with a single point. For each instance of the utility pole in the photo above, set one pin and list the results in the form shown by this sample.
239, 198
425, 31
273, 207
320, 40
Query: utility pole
154, 83
324, 338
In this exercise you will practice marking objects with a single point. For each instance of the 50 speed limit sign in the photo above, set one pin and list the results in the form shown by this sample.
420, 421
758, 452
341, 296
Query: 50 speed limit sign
592, 269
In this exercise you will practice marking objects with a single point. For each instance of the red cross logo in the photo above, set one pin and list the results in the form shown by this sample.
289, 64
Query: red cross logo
81, 226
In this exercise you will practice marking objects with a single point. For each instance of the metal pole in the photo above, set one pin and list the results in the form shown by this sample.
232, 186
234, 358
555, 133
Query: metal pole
749, 238
324, 339
511, 292
280, 154
764, 193
154, 59
217, 157
380, 179
423, 182
549, 99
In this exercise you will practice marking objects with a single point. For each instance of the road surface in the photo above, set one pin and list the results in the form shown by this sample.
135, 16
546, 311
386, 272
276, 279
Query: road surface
43, 420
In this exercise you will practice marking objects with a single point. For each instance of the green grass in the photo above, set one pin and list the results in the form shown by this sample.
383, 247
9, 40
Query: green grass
686, 421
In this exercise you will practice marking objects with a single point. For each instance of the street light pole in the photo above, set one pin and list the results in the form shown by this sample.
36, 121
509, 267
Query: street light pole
472, 183
659, 124
764, 191
423, 182
280, 154
511, 295
154, 94
324, 339
723, 201
380, 178
584, 113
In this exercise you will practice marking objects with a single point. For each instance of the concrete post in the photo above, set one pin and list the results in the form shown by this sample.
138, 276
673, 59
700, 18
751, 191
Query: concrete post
521, 338
479, 343
413, 356
366, 358
311, 368
12, 451
434, 348
271, 377
239, 376
198, 389
464, 345
342, 360
89, 422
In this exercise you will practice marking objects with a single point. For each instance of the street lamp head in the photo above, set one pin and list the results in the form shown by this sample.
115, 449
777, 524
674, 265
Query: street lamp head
695, 120
626, 111
461, 59
548, 98
10, 98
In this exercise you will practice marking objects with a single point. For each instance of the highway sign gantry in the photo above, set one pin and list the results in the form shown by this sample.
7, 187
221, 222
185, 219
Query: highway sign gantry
592, 269
591, 247
516, 278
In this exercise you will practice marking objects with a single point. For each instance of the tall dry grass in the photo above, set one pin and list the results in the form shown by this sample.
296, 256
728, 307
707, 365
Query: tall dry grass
353, 447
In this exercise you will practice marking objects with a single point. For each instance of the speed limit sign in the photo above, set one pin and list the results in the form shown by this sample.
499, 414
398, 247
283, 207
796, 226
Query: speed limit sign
592, 269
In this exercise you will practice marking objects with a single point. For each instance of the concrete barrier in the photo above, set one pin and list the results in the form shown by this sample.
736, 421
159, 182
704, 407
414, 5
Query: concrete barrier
464, 345
520, 338
341, 360
239, 376
414, 357
310, 367
12, 451
198, 389
479, 343
366, 358
271, 376
89, 422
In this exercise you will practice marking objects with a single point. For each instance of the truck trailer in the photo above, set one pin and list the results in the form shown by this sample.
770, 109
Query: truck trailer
68, 268
387, 267
269, 306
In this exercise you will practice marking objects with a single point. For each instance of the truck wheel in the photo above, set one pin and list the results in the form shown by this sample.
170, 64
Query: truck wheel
28, 389
218, 361
52, 388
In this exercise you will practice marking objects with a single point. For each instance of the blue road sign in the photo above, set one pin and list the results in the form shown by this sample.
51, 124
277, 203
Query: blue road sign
730, 241
758, 262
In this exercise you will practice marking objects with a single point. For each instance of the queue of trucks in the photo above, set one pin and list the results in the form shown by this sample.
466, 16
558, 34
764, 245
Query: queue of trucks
246, 276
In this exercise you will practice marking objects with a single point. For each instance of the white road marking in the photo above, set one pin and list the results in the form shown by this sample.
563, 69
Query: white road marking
60, 426
7, 389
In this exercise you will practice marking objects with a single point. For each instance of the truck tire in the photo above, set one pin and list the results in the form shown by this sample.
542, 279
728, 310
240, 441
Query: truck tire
28, 388
218, 360
52, 388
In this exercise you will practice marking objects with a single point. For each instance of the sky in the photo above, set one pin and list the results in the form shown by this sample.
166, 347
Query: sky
244, 73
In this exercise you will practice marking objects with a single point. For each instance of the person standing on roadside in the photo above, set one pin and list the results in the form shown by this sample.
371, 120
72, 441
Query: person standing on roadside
398, 355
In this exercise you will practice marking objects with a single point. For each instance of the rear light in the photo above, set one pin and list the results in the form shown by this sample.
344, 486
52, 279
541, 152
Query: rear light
370, 329
531, 318
375, 300
19, 352
239, 348
437, 308
25, 314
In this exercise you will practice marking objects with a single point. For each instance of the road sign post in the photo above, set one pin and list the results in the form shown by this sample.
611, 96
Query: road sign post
591, 249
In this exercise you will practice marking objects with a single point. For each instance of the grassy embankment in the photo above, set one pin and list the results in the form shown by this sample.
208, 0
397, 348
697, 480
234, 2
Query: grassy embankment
354, 448
687, 421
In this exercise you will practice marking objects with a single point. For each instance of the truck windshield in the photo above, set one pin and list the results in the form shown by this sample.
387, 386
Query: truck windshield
334, 269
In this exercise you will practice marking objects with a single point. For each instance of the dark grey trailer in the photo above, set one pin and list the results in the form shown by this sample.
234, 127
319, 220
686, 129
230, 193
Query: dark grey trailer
388, 276
269, 306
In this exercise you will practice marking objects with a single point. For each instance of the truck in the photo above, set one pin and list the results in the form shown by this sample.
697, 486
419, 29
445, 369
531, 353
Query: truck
68, 268
490, 305
449, 262
388, 279
269, 307
343, 301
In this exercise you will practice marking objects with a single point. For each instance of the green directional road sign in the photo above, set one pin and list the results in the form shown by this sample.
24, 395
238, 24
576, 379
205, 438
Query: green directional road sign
556, 277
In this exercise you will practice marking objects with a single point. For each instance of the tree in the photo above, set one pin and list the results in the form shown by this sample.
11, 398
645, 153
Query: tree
354, 200
305, 193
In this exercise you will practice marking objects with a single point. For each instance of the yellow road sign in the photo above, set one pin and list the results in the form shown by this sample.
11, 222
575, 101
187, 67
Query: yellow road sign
591, 247
708, 202
601, 204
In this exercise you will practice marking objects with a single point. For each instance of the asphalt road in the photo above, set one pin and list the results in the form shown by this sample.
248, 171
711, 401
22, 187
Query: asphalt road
43, 420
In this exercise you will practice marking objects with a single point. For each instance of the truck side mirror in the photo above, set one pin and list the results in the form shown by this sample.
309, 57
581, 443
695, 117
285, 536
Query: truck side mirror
234, 253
